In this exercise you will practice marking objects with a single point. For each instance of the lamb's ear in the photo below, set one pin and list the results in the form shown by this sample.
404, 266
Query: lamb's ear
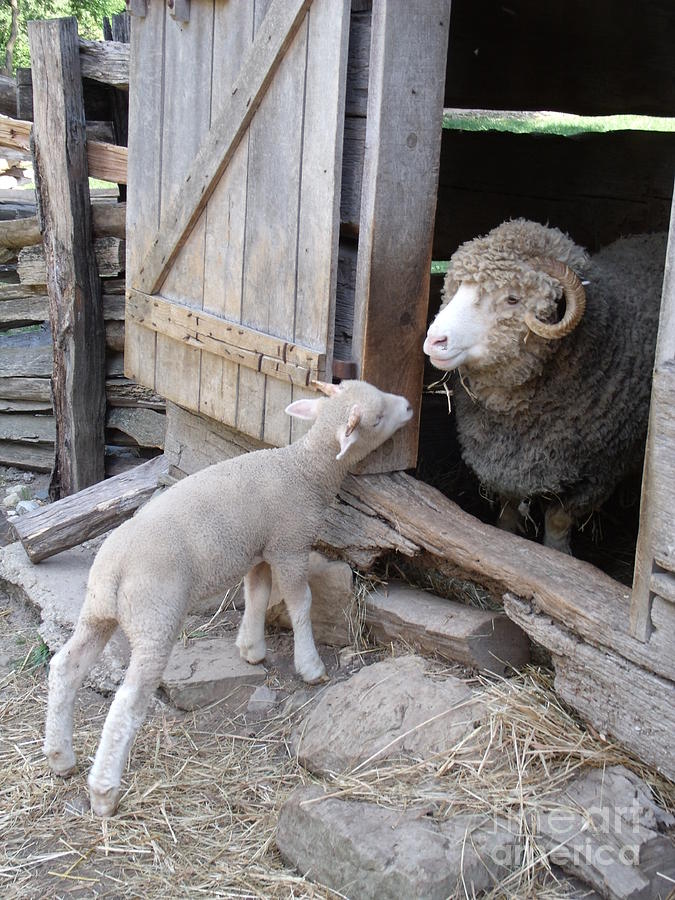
304, 409
348, 434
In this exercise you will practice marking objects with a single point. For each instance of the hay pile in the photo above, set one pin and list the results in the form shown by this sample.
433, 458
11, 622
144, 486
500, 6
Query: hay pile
202, 797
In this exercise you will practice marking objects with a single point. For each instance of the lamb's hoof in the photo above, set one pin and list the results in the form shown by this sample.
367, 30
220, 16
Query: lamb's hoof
61, 762
104, 803
313, 674
252, 653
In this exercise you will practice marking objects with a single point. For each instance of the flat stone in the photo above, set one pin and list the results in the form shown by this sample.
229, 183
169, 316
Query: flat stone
606, 829
332, 586
208, 670
392, 708
57, 587
263, 699
477, 638
366, 851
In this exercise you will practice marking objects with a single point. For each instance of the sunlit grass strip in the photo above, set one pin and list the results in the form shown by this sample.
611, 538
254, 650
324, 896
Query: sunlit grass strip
547, 122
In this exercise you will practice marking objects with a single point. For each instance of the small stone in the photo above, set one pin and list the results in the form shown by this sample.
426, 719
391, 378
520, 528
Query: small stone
42, 495
394, 707
11, 500
262, 700
348, 657
28, 477
366, 851
208, 670
26, 506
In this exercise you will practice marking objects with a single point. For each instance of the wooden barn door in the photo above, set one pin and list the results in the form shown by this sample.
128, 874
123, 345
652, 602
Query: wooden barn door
235, 145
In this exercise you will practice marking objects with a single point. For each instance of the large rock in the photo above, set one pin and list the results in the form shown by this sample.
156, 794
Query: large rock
365, 851
332, 586
606, 829
394, 707
478, 638
207, 670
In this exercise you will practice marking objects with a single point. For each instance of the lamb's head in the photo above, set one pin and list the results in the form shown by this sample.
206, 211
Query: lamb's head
502, 297
358, 416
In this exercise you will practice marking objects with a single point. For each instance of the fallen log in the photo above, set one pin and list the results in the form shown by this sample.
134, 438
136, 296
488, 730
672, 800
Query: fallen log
109, 252
108, 220
90, 512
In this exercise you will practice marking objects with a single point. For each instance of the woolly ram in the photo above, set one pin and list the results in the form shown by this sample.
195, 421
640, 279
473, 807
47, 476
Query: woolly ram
243, 517
551, 394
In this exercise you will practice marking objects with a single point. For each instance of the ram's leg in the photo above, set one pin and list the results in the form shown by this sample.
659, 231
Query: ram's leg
557, 529
251, 637
297, 596
67, 671
510, 518
127, 713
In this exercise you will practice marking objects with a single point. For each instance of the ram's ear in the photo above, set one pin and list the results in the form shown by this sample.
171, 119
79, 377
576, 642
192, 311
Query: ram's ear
348, 434
304, 409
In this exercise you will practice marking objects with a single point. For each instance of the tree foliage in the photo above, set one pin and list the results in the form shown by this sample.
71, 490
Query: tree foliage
89, 14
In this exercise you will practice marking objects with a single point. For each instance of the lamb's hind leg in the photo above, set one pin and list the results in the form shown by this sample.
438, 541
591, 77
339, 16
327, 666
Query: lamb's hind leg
558, 529
67, 671
251, 637
126, 715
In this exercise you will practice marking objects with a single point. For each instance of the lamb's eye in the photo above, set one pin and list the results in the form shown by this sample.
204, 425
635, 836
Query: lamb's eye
512, 300
378, 420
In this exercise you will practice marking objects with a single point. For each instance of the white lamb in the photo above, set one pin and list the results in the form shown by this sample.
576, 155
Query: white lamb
242, 517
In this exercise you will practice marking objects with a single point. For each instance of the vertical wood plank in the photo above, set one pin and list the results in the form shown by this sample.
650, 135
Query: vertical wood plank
658, 495
319, 213
270, 257
73, 287
224, 250
187, 111
400, 181
144, 174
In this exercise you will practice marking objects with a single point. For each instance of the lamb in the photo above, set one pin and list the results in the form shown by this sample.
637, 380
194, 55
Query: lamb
242, 517
549, 407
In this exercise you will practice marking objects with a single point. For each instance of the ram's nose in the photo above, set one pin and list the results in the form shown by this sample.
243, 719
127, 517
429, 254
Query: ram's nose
434, 342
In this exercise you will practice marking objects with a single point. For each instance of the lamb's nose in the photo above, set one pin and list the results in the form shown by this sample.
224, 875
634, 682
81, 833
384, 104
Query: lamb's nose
435, 341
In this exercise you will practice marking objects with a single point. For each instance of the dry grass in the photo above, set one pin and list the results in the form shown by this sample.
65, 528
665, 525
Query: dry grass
202, 797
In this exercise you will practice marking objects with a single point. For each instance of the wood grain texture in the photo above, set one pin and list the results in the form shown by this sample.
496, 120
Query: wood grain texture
400, 182
26, 428
622, 700
73, 287
109, 254
657, 504
146, 426
26, 389
108, 220
106, 61
273, 38
90, 512
34, 457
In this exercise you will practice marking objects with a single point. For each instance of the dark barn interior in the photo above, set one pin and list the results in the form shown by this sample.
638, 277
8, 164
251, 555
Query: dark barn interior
605, 58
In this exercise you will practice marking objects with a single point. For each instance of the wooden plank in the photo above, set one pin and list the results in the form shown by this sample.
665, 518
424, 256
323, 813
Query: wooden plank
106, 61
35, 457
26, 310
145, 426
27, 355
24, 406
146, 112
125, 393
187, 110
657, 528
109, 254
26, 428
400, 182
76, 310
272, 39
226, 216
319, 212
621, 700
185, 325
7, 96
591, 604
28, 390
663, 584
90, 512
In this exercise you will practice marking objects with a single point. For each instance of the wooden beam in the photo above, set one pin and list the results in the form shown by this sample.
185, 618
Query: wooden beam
241, 345
590, 603
262, 60
109, 253
73, 286
106, 61
398, 203
108, 220
90, 512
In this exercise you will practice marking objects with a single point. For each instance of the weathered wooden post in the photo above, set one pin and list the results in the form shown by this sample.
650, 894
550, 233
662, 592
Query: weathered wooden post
75, 306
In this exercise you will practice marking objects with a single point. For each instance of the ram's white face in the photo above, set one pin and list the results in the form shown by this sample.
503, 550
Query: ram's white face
459, 333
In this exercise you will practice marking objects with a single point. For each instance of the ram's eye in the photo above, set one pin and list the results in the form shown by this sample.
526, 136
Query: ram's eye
512, 300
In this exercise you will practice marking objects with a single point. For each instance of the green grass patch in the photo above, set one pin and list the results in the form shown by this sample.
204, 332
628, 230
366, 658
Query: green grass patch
565, 124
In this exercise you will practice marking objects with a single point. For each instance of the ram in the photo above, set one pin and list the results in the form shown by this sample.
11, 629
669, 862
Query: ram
553, 352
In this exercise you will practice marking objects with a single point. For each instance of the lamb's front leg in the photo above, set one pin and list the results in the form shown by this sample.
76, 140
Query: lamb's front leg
251, 637
297, 596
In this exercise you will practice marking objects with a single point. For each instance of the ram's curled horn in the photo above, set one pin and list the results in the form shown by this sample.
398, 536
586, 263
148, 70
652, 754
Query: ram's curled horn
328, 389
354, 419
575, 300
